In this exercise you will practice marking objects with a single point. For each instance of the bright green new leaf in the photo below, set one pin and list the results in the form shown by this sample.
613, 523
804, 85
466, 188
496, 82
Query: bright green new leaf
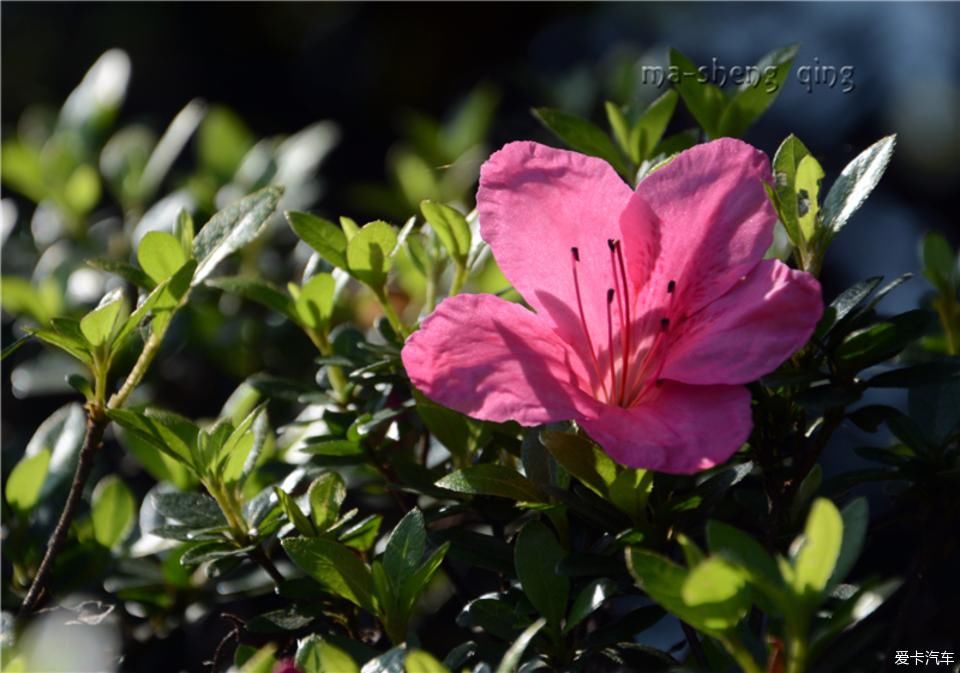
747, 553
184, 231
23, 170
41, 302
160, 255
222, 141
232, 228
315, 655
451, 227
536, 555
855, 183
336, 567
370, 254
102, 324
314, 301
621, 130
819, 549
26, 480
786, 164
856, 520
81, 191
809, 175
322, 235
715, 593
630, 490
583, 459
418, 661
113, 511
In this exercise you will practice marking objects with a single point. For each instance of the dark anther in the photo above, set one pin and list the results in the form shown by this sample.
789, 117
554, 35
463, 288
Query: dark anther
612, 243
576, 254
664, 323
610, 294
659, 383
671, 286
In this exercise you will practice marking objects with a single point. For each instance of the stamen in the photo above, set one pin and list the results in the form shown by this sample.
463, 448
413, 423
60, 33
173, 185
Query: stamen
583, 322
671, 286
626, 329
613, 370
614, 245
664, 323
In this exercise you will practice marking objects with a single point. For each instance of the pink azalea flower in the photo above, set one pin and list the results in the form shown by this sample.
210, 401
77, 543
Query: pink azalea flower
651, 308
285, 666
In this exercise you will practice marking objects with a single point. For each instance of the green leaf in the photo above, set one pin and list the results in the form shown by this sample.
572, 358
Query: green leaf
113, 511
127, 271
855, 183
582, 136
748, 554
583, 459
418, 661
715, 593
183, 230
314, 301
819, 549
26, 480
882, 340
294, 514
705, 101
256, 290
416, 583
41, 302
370, 254
755, 95
65, 335
621, 131
809, 175
322, 235
101, 325
590, 598
511, 658
222, 141
940, 265
652, 124
23, 170
170, 433
923, 374
336, 567
232, 228
461, 435
451, 227
491, 479
160, 255
405, 547
326, 495
536, 555
788, 188
856, 521
315, 655
630, 491
191, 509
81, 191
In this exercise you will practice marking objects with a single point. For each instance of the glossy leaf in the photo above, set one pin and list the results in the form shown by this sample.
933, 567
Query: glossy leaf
337, 568
370, 254
26, 480
113, 510
855, 183
536, 556
490, 479
322, 235
232, 228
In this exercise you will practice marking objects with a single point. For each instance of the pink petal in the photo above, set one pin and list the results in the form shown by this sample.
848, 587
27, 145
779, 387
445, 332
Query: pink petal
749, 331
715, 221
535, 203
678, 429
496, 361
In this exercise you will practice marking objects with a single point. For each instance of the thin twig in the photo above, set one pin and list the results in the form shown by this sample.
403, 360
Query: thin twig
96, 424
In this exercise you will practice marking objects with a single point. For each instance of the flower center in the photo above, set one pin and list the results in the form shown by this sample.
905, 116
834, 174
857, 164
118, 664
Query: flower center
627, 374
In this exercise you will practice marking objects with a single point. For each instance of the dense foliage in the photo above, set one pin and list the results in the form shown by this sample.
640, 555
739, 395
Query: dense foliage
327, 512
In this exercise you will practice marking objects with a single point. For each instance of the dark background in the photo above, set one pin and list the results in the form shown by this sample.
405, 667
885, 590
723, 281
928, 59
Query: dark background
282, 66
